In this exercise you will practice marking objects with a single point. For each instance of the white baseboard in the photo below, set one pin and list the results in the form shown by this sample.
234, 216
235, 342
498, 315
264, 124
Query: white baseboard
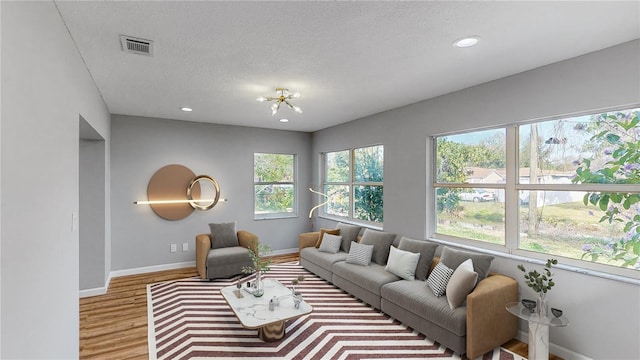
135, 271
556, 349
284, 252
154, 268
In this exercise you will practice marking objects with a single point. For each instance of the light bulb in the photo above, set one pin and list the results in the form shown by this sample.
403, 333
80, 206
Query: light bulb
297, 109
466, 42
262, 99
296, 95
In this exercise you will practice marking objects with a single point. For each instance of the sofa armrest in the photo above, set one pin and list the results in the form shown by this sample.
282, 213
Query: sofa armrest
247, 239
308, 239
489, 324
203, 245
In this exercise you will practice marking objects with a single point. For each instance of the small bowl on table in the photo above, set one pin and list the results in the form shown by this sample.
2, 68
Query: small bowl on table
529, 304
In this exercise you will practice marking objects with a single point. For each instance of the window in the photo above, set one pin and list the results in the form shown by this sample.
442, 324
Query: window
470, 178
274, 185
573, 190
357, 172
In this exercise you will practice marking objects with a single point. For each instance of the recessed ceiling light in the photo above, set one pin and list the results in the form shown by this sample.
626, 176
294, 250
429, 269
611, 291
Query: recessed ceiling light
466, 41
187, 109
284, 120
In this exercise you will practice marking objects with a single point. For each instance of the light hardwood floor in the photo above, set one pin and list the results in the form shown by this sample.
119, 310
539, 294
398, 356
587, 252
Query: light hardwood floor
114, 325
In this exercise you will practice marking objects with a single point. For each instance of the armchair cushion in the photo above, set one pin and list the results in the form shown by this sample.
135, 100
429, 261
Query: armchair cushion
223, 235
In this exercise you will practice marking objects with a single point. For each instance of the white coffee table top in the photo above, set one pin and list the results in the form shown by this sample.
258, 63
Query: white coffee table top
253, 312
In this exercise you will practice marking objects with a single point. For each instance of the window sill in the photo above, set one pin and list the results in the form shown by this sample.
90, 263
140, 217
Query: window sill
369, 225
275, 216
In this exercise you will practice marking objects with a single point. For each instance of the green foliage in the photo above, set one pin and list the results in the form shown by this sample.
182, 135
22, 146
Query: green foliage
539, 282
273, 169
618, 136
257, 259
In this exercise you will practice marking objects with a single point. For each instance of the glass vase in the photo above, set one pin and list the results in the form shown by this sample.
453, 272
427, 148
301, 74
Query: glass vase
541, 305
258, 288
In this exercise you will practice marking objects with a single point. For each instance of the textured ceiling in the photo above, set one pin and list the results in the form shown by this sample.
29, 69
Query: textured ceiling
347, 59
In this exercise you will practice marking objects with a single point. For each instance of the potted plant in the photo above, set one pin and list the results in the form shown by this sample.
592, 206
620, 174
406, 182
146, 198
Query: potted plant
540, 283
259, 265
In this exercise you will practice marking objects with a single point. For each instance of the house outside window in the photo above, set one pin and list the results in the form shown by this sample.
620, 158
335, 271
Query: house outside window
353, 181
571, 190
274, 185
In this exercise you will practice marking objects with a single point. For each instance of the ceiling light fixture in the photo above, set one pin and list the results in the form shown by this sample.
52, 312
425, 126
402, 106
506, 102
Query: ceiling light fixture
186, 109
283, 97
466, 41
284, 120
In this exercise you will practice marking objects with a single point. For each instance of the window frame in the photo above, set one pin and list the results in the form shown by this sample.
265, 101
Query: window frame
294, 183
351, 184
512, 188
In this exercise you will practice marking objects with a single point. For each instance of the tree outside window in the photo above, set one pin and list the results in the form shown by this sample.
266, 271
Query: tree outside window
353, 180
575, 189
274, 185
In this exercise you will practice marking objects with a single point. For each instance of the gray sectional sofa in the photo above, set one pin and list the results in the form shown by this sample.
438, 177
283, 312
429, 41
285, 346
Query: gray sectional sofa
479, 325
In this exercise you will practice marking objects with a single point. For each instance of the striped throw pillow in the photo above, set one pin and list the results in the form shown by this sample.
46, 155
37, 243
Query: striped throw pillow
330, 243
439, 279
360, 254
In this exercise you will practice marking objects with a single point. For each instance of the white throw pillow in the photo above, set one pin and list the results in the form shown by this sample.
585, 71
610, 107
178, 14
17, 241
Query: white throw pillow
439, 278
402, 263
461, 283
360, 254
330, 243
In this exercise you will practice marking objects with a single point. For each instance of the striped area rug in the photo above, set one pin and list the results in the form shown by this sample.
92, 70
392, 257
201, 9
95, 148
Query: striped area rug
189, 319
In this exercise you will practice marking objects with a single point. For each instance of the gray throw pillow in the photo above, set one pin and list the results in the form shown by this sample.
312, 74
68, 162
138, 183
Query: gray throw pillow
359, 254
223, 235
349, 234
381, 242
426, 249
453, 258
330, 243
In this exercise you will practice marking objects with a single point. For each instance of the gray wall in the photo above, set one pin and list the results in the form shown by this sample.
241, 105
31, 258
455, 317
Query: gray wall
46, 88
93, 269
141, 146
604, 313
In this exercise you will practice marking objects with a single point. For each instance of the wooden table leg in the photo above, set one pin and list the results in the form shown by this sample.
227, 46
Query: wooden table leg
272, 332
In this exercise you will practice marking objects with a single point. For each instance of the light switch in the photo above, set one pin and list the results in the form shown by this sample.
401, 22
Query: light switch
174, 248
185, 247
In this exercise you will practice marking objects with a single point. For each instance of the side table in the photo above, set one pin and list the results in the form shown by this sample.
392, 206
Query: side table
538, 329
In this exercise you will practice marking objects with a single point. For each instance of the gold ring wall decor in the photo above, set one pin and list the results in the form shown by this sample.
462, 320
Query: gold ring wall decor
174, 191
193, 185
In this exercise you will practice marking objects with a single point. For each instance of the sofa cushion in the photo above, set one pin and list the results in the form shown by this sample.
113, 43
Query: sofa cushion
426, 249
416, 298
349, 234
360, 254
322, 259
371, 277
461, 283
402, 263
330, 243
453, 258
381, 242
326, 231
439, 279
223, 235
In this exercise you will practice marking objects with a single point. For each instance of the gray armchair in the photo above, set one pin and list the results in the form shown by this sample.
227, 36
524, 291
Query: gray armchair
222, 262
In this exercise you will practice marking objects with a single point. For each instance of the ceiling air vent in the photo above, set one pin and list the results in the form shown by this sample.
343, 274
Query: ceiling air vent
136, 45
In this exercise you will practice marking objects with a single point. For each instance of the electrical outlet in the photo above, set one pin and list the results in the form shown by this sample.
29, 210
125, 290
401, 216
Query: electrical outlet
174, 248
185, 247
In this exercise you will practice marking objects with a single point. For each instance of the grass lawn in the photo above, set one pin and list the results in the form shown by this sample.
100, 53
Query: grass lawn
563, 229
